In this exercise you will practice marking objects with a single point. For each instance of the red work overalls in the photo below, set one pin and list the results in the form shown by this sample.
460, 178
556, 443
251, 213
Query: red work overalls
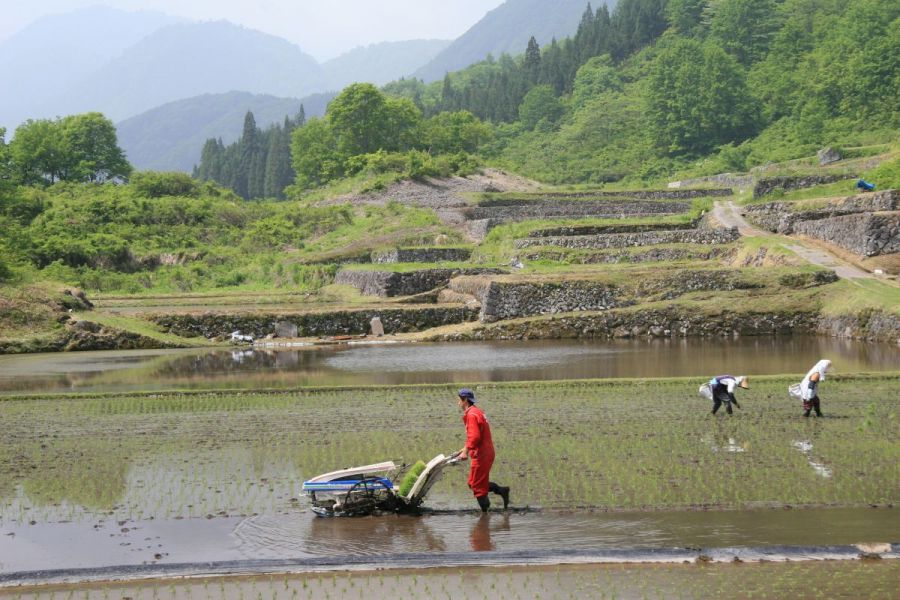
481, 450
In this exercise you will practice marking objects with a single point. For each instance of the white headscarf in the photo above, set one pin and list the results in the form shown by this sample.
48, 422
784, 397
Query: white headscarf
807, 387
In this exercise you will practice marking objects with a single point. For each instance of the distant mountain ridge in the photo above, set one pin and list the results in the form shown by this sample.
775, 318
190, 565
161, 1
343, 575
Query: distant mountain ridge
381, 63
170, 137
190, 59
507, 29
57, 51
125, 63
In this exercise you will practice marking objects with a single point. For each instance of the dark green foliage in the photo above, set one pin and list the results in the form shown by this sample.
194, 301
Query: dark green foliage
635, 24
684, 16
366, 130
452, 132
73, 148
743, 27
5, 272
532, 63
697, 98
153, 184
258, 165
539, 105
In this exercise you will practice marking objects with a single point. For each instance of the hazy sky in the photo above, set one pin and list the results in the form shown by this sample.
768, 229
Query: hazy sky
323, 28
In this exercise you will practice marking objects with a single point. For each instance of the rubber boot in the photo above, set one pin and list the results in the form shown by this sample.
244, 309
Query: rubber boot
805, 413
501, 491
484, 503
728, 408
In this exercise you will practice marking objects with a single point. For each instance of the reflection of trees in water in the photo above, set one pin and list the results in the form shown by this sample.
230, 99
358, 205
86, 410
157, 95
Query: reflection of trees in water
241, 361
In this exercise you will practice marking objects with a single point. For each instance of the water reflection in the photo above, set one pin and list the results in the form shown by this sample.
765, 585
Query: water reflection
481, 538
432, 363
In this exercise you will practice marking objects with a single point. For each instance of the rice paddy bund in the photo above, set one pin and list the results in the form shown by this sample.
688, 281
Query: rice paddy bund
613, 445
857, 579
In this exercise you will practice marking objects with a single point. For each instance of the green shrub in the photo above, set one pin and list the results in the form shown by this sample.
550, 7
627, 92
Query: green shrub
155, 184
5, 271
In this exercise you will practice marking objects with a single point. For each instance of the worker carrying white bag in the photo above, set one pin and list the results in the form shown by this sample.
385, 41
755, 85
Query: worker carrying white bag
808, 390
720, 389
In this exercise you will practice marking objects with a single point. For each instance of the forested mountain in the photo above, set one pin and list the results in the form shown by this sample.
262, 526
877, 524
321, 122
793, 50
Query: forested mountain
380, 63
659, 86
506, 29
185, 60
48, 56
170, 137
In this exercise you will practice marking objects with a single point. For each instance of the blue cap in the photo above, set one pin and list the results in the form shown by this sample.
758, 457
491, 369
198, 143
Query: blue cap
467, 394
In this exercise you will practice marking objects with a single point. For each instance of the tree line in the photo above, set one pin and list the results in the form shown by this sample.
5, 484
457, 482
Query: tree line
78, 148
258, 165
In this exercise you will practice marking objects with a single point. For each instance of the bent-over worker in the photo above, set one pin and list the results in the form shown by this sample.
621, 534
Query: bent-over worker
722, 387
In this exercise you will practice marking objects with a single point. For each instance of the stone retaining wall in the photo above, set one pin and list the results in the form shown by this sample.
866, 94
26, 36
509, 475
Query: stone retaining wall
870, 234
421, 255
770, 184
780, 217
504, 300
668, 194
685, 282
662, 323
347, 322
393, 283
568, 230
624, 256
871, 326
734, 180
519, 210
647, 238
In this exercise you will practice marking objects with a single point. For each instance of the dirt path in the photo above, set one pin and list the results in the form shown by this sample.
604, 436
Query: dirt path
726, 213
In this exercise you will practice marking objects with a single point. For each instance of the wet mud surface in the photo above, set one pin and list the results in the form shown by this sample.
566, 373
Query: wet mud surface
304, 541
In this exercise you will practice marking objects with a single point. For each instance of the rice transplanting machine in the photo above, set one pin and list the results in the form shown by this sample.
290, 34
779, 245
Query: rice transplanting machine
383, 486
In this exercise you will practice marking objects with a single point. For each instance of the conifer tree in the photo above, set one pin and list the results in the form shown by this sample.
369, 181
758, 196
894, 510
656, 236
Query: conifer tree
532, 64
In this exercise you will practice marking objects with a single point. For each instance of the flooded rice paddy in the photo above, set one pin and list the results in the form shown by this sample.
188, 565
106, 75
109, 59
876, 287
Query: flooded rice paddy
389, 364
601, 470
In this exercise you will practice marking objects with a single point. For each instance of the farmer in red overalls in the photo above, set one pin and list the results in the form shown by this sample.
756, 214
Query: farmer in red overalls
480, 448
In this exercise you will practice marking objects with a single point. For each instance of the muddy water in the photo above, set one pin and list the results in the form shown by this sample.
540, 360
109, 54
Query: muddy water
543, 535
432, 363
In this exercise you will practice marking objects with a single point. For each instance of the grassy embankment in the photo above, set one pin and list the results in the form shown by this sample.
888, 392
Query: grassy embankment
608, 445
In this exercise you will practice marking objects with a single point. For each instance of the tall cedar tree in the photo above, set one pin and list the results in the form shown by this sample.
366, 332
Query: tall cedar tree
258, 165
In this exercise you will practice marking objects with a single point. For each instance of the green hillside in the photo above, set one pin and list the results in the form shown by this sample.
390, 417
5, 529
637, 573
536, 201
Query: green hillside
581, 135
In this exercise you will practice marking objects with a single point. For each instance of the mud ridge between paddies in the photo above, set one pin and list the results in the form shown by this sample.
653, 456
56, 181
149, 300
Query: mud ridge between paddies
454, 559
486, 385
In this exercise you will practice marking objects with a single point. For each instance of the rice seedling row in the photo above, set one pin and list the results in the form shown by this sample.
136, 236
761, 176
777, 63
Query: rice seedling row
629, 445
826, 579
